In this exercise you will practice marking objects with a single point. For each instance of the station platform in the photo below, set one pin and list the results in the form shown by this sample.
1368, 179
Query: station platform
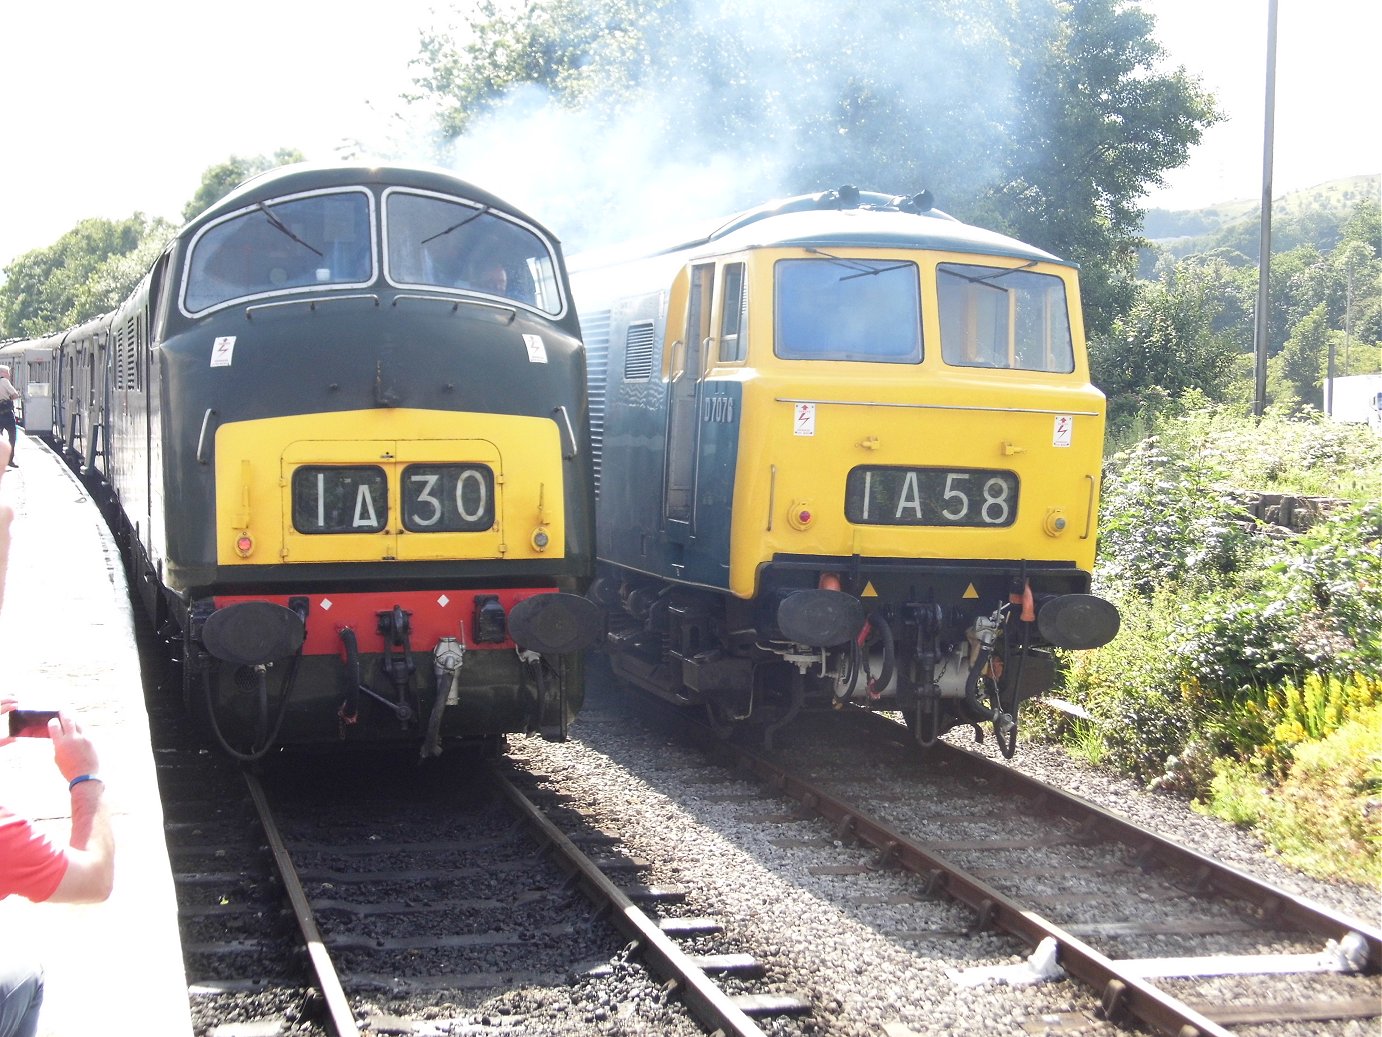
67, 642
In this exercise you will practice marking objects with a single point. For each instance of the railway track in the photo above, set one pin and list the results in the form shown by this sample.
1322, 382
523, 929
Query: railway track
1163, 936
435, 902
312, 902
1224, 923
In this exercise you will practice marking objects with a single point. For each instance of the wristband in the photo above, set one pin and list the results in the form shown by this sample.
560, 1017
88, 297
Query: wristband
81, 778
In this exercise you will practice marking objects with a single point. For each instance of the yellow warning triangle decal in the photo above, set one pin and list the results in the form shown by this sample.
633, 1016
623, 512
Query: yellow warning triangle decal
869, 592
970, 592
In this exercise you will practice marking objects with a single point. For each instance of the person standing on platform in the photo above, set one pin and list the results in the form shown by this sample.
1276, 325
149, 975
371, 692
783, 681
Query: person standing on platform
82, 872
8, 394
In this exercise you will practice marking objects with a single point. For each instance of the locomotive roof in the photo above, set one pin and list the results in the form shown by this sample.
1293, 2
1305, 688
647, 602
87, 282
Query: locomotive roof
830, 219
882, 228
309, 176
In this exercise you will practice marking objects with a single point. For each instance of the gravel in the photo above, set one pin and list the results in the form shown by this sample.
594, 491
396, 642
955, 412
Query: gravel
874, 959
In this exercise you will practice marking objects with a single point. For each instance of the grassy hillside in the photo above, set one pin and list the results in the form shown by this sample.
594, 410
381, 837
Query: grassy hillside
1314, 215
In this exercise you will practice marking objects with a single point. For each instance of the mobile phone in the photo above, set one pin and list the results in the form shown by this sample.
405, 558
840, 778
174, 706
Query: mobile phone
30, 723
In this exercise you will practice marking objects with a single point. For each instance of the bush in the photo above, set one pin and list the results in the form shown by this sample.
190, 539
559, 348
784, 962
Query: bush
1215, 614
1128, 687
1315, 709
1311, 605
1325, 815
1301, 452
1164, 517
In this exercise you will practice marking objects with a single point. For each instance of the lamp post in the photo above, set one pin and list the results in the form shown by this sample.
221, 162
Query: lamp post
1264, 254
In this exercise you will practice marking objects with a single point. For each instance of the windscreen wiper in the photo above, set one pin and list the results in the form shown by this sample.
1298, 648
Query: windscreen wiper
988, 277
280, 225
860, 267
456, 226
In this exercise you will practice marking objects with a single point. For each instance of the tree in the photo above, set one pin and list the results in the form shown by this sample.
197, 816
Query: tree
86, 272
218, 181
1095, 124
1165, 346
1295, 375
1047, 119
1356, 299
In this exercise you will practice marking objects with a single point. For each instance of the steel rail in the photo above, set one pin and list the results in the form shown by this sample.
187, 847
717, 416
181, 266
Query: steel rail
1277, 904
711, 1005
1207, 873
1119, 991
342, 1019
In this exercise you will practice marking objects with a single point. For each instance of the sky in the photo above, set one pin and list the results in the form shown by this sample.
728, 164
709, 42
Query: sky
188, 85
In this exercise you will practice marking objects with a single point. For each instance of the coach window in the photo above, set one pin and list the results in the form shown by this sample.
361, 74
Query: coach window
733, 303
1005, 317
282, 246
841, 308
440, 242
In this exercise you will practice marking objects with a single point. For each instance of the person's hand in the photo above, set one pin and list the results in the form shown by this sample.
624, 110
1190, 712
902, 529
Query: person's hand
6, 704
72, 750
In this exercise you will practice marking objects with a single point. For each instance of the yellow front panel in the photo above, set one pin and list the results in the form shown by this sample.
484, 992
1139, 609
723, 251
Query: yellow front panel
1046, 428
256, 461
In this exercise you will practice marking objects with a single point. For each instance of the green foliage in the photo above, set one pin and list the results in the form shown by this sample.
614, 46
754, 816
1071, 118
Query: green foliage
1164, 516
1296, 374
219, 180
582, 50
1338, 211
1323, 816
1046, 119
1251, 610
1128, 687
1248, 669
1086, 741
84, 273
1324, 312
1239, 792
1302, 454
1167, 342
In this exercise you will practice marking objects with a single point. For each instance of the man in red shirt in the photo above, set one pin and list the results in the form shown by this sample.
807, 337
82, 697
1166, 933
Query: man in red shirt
82, 872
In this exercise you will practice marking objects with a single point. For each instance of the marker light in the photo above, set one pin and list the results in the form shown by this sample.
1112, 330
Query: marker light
244, 544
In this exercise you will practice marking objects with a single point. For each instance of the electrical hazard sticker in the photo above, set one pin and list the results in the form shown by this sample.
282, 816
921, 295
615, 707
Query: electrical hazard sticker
1065, 426
537, 350
223, 351
804, 419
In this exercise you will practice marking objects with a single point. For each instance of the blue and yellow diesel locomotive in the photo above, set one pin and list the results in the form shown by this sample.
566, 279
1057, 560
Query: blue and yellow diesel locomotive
847, 452
342, 425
